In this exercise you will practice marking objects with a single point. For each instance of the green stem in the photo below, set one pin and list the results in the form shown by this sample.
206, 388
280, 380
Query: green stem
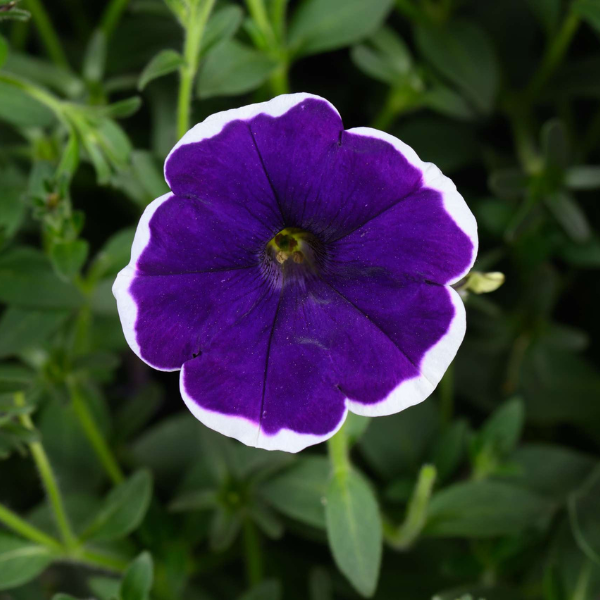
553, 56
339, 454
259, 15
49, 481
39, 94
112, 15
194, 29
447, 395
253, 553
49, 36
279, 80
583, 581
404, 536
100, 560
93, 433
23, 528
520, 122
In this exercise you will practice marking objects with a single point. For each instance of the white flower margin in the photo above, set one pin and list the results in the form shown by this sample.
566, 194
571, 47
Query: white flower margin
409, 392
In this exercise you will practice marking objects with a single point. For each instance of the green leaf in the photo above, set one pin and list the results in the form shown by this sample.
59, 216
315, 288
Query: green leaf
299, 491
548, 376
508, 183
555, 145
149, 174
165, 62
122, 109
123, 510
447, 102
503, 429
28, 280
569, 216
3, 50
224, 528
114, 255
449, 450
23, 328
397, 444
589, 10
233, 69
480, 509
104, 588
137, 581
63, 597
547, 13
221, 27
137, 411
68, 258
354, 530
94, 60
14, 378
44, 72
584, 515
12, 200
267, 590
551, 470
462, 52
583, 177
21, 110
584, 256
20, 561
388, 60
322, 25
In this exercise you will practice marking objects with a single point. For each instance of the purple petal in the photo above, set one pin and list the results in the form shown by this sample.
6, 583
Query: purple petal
281, 377
170, 296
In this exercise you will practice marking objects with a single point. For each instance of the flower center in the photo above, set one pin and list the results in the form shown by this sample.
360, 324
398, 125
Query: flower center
295, 251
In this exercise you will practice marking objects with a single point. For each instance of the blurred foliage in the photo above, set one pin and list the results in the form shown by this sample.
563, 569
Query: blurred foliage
489, 490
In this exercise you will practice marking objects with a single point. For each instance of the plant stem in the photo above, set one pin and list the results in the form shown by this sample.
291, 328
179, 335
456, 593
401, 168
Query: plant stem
112, 15
447, 395
93, 558
93, 434
253, 553
339, 454
23, 528
48, 480
194, 29
405, 535
259, 15
553, 56
49, 36
583, 581
279, 80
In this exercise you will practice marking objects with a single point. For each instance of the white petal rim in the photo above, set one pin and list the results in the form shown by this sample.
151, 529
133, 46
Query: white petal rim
126, 304
214, 124
433, 366
248, 432
433, 178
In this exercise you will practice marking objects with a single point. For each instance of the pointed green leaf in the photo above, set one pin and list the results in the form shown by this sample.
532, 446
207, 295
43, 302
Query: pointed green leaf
299, 492
480, 509
123, 510
321, 25
165, 62
462, 52
20, 561
137, 581
354, 530
233, 69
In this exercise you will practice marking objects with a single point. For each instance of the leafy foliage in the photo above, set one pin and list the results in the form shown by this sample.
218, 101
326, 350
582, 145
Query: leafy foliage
489, 489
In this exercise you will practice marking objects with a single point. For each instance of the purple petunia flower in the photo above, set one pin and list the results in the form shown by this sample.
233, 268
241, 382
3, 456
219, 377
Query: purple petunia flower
297, 271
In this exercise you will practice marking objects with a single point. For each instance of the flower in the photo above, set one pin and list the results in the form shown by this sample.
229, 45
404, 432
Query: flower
297, 271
